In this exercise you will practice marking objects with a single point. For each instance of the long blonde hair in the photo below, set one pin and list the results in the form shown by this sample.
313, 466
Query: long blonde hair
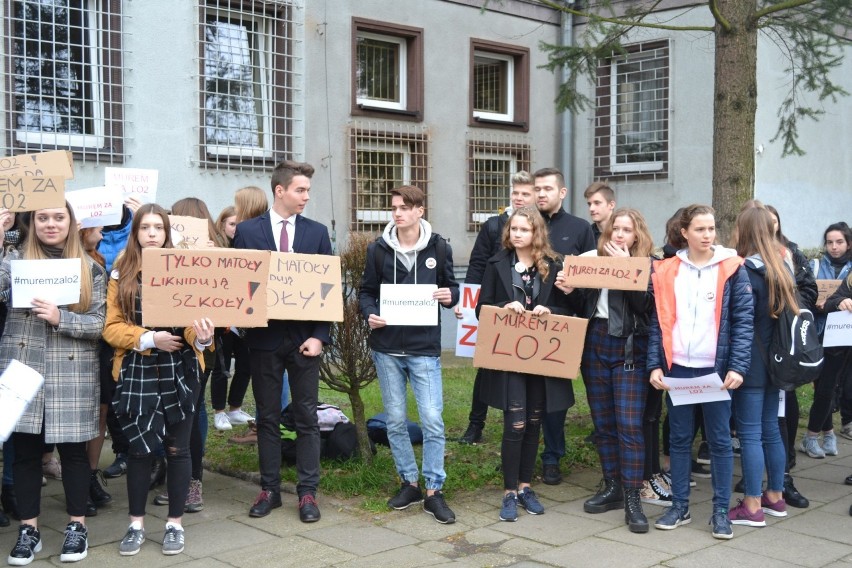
33, 249
643, 244
250, 202
541, 249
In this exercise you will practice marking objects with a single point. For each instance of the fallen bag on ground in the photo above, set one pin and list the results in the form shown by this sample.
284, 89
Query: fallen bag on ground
377, 430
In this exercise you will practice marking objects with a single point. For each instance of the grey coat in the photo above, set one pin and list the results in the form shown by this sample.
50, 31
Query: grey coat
66, 406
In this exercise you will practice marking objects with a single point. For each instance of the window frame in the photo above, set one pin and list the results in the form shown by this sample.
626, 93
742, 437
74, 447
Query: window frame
105, 84
520, 157
411, 62
509, 115
518, 91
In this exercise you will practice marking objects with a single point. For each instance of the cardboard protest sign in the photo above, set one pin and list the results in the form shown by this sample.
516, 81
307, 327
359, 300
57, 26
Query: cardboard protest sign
192, 232
226, 285
550, 345
838, 329
96, 206
56, 280
304, 287
826, 288
615, 273
28, 193
408, 304
468, 324
133, 182
57, 163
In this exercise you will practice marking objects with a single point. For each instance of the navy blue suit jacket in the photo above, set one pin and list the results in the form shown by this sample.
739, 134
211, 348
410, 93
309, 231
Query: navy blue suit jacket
310, 238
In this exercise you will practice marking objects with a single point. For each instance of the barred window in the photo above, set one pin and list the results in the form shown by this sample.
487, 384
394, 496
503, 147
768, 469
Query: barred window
632, 113
247, 78
383, 157
499, 85
491, 164
64, 77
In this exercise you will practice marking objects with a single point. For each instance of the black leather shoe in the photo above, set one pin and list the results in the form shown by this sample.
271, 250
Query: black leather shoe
91, 509
472, 435
10, 503
848, 480
265, 502
609, 497
550, 474
792, 496
308, 510
158, 472
97, 494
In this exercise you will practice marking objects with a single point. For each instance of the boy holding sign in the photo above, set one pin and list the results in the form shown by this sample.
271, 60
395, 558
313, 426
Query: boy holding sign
408, 254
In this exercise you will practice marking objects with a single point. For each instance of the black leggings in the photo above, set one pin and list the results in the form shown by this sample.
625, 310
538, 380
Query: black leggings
521, 428
27, 473
789, 425
835, 367
236, 347
651, 432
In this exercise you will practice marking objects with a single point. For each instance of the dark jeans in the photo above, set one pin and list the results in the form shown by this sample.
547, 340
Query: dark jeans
789, 426
553, 429
651, 431
836, 365
521, 428
120, 443
478, 409
267, 374
176, 444
236, 348
27, 471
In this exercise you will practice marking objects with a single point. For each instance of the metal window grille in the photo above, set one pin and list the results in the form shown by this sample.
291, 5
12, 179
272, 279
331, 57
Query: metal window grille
492, 84
491, 164
384, 156
247, 81
380, 71
62, 84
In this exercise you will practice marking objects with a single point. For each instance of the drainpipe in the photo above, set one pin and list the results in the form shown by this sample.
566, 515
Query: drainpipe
567, 119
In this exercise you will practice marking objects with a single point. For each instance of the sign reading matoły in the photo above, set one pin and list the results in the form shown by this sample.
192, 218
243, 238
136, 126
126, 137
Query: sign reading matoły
304, 287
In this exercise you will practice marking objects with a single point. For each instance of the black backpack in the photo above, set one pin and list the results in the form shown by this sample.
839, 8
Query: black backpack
795, 351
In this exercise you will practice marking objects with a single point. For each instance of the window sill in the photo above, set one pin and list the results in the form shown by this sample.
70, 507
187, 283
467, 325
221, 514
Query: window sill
490, 122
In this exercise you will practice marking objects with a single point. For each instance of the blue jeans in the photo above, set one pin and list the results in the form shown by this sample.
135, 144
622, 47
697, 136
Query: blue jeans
757, 429
717, 418
553, 430
424, 375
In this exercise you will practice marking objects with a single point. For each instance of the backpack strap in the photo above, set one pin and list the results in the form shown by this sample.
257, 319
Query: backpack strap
441, 257
379, 258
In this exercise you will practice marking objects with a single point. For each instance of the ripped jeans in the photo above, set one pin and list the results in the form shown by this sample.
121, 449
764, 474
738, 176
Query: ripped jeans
521, 427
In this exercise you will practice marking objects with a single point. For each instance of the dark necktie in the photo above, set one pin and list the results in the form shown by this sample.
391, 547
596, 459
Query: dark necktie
285, 240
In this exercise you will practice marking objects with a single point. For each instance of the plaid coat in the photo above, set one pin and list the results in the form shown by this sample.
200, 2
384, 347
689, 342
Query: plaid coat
66, 406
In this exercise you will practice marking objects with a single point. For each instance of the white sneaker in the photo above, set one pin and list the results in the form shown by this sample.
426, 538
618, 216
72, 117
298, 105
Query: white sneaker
239, 417
846, 431
221, 422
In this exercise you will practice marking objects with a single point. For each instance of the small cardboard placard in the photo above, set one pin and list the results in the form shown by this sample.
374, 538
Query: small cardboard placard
304, 287
182, 285
468, 324
614, 273
551, 346
56, 280
133, 182
96, 206
408, 304
56, 163
826, 288
190, 232
29, 193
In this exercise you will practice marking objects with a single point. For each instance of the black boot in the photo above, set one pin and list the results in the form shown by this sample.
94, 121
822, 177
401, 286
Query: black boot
608, 497
10, 503
472, 435
636, 520
792, 496
97, 494
158, 472
91, 510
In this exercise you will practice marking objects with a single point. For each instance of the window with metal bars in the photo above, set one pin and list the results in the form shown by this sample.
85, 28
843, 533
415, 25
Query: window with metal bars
632, 114
247, 82
490, 168
383, 157
499, 85
63, 82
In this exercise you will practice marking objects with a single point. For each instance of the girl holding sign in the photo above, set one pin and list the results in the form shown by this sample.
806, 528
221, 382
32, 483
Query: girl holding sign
520, 278
59, 342
158, 383
614, 372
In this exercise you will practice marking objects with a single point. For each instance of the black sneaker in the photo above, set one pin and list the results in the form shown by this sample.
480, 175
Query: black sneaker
550, 474
97, 493
117, 468
407, 496
76, 545
472, 435
29, 542
721, 525
703, 453
436, 506
699, 470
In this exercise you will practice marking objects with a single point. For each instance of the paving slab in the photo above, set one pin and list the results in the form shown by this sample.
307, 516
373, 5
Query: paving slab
602, 552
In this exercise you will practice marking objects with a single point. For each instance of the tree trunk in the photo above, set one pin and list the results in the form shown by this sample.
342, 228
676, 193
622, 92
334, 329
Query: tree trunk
360, 421
734, 108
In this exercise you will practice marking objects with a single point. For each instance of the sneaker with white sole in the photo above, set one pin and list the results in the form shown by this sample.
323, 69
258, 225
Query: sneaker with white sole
239, 417
76, 545
221, 421
810, 445
846, 430
28, 543
172, 540
655, 491
829, 444
132, 541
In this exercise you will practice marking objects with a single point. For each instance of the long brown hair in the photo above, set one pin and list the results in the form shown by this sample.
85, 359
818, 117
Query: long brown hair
756, 235
129, 262
643, 244
194, 207
541, 249
33, 249
250, 202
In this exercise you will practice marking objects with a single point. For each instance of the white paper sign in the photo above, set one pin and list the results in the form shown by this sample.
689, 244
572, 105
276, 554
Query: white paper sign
468, 324
782, 403
18, 386
56, 280
408, 304
838, 329
133, 182
96, 206
697, 390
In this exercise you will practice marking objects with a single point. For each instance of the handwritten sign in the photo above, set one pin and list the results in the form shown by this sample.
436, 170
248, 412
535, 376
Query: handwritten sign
226, 285
133, 182
57, 163
550, 345
96, 206
826, 288
468, 324
838, 329
408, 304
611, 272
304, 287
56, 280
18, 386
29, 193
697, 390
191, 232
